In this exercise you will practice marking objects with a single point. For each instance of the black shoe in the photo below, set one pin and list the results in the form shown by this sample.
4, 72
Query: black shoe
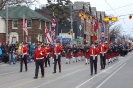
85, 63
59, 71
42, 76
20, 71
54, 72
25, 70
45, 66
35, 77
101, 68
95, 72
91, 74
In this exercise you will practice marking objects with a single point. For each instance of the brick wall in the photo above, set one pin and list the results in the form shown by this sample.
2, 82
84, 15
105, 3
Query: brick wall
2, 37
33, 31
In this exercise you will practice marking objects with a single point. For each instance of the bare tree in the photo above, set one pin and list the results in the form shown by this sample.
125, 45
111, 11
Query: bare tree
16, 2
116, 30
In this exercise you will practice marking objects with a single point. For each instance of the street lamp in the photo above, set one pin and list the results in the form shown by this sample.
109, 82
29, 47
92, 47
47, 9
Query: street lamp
71, 30
7, 22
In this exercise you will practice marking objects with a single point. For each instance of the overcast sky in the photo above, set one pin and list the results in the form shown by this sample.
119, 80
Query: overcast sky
101, 5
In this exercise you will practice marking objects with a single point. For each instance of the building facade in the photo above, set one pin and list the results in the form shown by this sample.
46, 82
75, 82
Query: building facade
35, 25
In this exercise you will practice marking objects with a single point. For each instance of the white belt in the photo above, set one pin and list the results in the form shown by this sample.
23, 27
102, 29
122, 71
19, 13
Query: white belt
93, 55
47, 53
24, 53
57, 53
39, 58
102, 52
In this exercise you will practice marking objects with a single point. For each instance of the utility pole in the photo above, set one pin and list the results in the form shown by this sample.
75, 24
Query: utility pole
7, 22
71, 5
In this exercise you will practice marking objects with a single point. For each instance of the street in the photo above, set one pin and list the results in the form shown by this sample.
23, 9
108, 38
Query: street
74, 75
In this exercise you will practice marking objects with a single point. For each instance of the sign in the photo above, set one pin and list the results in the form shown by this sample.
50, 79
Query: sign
66, 40
80, 27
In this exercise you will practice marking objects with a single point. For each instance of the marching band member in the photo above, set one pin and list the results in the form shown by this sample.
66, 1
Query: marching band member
116, 51
75, 51
68, 53
107, 53
111, 52
24, 51
57, 56
103, 48
82, 53
93, 51
87, 55
39, 55
47, 58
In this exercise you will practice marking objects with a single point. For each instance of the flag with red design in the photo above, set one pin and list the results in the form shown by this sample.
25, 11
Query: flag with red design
95, 24
25, 26
95, 27
48, 38
53, 29
94, 38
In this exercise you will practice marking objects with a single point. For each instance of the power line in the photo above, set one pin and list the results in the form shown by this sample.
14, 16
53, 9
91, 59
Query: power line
121, 7
116, 13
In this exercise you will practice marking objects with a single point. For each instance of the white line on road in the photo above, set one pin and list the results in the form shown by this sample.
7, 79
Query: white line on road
96, 75
59, 78
110, 76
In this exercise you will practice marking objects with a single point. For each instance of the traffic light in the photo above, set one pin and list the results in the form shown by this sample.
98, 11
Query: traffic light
130, 17
69, 33
90, 17
82, 15
106, 19
114, 18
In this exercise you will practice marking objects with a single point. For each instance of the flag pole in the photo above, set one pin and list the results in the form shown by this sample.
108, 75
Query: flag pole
23, 29
7, 22
51, 32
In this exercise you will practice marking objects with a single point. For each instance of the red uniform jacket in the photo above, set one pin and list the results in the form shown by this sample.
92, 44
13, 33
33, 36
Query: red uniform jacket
39, 53
24, 49
47, 48
93, 51
57, 49
103, 48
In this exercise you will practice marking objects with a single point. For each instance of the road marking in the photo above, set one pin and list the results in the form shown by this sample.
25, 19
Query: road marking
41, 78
110, 76
97, 75
3, 74
60, 78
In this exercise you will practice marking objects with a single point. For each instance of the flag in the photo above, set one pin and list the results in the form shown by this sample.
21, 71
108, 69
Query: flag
25, 26
48, 38
116, 40
102, 31
95, 24
94, 38
124, 37
95, 27
53, 29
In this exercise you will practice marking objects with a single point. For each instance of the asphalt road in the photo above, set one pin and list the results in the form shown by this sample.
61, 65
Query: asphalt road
118, 74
